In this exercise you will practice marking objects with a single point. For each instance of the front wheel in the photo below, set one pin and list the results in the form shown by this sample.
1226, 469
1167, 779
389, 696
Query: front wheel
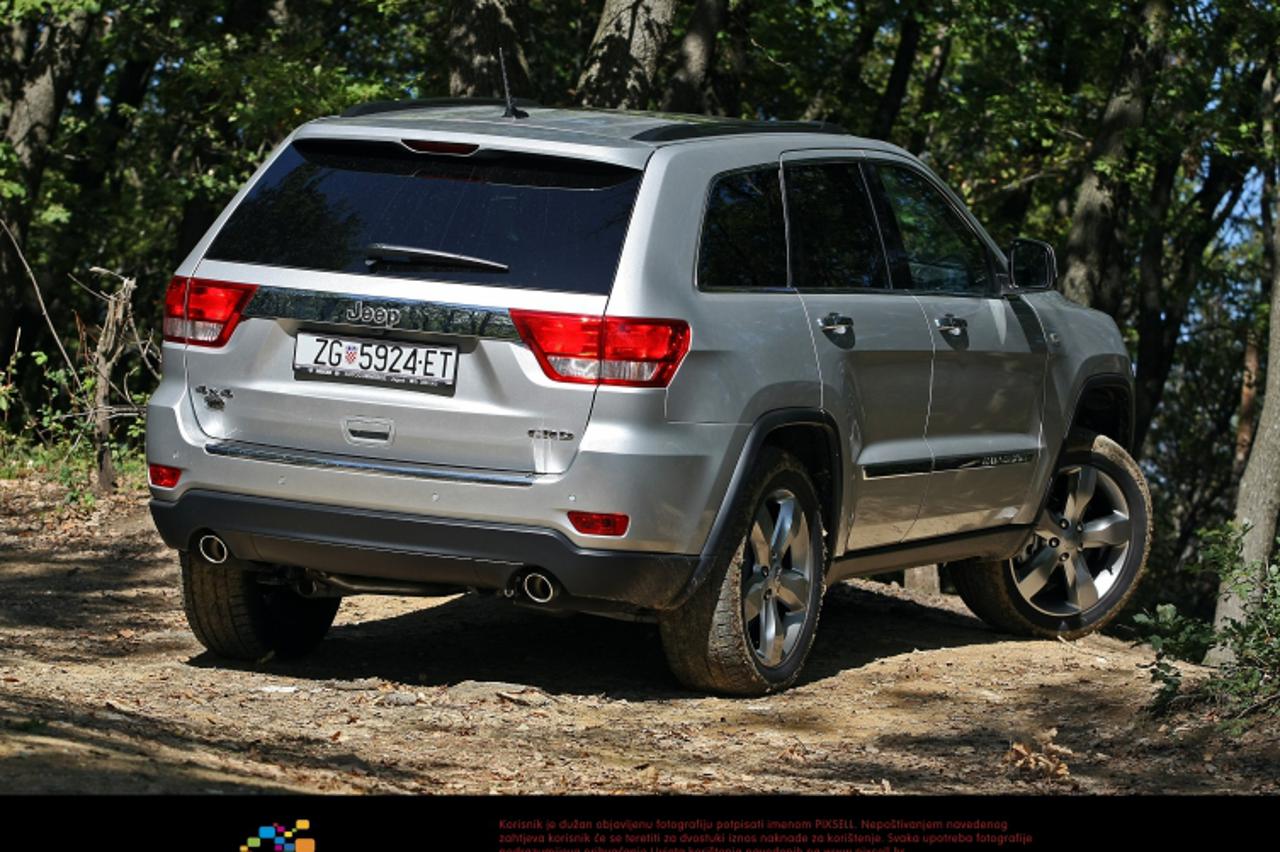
1085, 558
749, 627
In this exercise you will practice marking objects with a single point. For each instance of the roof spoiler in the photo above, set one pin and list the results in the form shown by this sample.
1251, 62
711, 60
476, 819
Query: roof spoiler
373, 107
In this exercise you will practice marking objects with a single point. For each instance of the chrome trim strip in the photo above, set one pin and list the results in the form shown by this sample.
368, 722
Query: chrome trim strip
314, 306
943, 464
278, 455
890, 470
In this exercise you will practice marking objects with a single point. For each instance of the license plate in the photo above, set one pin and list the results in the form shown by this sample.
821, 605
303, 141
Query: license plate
377, 360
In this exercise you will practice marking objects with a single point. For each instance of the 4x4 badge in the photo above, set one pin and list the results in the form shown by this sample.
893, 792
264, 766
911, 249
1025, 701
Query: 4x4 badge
360, 312
215, 398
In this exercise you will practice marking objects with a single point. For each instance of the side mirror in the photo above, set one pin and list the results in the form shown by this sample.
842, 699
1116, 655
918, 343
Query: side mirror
1032, 266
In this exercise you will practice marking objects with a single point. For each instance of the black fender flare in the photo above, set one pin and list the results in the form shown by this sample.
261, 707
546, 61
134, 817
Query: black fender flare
1109, 381
1082, 439
761, 429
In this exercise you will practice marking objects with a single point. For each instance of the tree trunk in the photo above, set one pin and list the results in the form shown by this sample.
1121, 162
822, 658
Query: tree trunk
1258, 500
36, 95
849, 76
1161, 321
1247, 411
895, 91
728, 77
1091, 243
477, 29
622, 63
688, 89
1248, 406
106, 353
929, 99
1151, 286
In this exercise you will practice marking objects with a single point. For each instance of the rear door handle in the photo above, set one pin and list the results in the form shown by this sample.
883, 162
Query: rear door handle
836, 323
368, 430
951, 324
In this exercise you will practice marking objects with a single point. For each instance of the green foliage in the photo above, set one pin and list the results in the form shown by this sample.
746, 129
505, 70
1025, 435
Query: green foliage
55, 438
69, 465
1173, 636
8, 390
173, 105
1249, 681
11, 184
56, 419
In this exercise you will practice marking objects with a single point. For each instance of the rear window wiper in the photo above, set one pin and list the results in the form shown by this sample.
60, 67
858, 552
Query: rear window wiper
384, 252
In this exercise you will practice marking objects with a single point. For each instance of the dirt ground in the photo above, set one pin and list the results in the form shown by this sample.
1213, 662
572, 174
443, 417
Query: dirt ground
103, 689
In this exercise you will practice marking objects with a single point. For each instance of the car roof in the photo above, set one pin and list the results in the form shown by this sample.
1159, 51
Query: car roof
597, 128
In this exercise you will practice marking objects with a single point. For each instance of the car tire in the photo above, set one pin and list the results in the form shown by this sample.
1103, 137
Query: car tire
749, 627
1085, 559
234, 615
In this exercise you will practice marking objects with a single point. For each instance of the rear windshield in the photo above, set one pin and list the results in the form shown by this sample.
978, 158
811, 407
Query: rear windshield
493, 218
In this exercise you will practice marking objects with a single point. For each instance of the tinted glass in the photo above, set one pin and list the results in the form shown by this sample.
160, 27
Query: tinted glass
941, 252
743, 238
556, 224
1032, 265
834, 241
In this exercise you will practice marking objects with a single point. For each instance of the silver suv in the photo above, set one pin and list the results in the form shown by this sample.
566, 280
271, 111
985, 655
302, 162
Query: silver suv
642, 365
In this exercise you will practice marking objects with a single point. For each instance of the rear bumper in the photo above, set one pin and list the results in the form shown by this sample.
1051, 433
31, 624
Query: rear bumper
669, 478
394, 546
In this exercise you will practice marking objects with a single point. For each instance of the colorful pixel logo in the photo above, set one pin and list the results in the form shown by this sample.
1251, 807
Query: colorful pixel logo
277, 838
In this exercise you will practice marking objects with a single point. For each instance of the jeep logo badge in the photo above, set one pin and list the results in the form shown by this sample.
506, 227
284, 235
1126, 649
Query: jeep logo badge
372, 315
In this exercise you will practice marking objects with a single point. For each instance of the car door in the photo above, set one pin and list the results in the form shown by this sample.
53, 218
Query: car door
989, 359
872, 343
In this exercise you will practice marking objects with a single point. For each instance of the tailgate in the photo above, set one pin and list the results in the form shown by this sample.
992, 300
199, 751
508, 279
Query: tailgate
378, 286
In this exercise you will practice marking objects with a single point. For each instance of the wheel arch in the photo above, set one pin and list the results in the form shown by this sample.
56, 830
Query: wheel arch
812, 436
1103, 406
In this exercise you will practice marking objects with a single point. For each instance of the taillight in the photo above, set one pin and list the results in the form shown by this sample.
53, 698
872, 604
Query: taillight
638, 353
599, 523
163, 476
203, 313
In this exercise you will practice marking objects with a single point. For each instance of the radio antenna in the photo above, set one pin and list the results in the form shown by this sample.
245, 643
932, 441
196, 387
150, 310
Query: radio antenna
512, 110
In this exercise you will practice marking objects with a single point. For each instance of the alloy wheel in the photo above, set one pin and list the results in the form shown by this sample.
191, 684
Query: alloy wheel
1081, 541
779, 570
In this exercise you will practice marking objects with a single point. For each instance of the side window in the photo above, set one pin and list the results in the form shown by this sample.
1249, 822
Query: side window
834, 240
743, 237
941, 251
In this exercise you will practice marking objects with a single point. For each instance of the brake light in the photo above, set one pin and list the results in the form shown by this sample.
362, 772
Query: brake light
622, 351
163, 476
425, 146
599, 523
203, 313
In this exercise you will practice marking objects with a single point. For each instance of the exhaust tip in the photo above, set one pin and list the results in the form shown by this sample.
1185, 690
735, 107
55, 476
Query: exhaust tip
213, 549
538, 587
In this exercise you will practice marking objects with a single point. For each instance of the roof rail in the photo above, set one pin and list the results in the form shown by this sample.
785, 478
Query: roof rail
373, 107
732, 127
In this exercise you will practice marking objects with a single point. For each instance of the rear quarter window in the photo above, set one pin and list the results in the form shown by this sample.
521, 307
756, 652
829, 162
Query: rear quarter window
554, 223
743, 243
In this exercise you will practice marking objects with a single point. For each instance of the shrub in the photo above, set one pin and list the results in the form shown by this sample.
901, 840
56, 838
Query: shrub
1249, 681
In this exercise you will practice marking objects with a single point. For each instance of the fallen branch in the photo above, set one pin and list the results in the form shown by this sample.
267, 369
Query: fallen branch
43, 309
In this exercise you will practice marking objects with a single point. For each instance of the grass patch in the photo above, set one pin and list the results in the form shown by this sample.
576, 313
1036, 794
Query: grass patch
68, 465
